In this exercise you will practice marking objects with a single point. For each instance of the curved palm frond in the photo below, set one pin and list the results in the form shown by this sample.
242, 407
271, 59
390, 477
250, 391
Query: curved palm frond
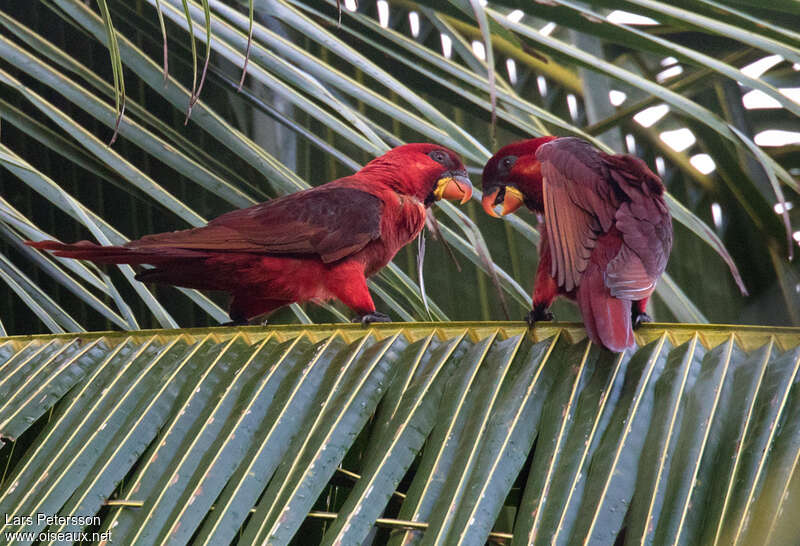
449, 433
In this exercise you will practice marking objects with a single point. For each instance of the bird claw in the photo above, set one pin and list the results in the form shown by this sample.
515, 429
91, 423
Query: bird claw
640, 318
375, 316
538, 314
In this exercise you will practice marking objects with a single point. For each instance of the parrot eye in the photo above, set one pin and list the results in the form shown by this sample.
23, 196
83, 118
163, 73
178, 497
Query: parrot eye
508, 162
438, 156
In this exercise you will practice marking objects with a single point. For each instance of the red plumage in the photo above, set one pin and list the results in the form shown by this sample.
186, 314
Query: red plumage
606, 230
313, 245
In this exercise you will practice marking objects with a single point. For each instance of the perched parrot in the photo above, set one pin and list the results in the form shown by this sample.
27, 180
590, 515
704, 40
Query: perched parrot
606, 234
313, 245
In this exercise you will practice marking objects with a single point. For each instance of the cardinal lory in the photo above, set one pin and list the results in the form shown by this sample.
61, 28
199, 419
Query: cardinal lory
316, 244
606, 234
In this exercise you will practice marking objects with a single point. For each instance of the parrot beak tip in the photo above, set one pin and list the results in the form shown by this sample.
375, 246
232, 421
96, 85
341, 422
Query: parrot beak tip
488, 203
512, 200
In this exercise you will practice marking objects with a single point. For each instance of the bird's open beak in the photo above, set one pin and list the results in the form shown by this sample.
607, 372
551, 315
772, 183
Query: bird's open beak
512, 200
454, 185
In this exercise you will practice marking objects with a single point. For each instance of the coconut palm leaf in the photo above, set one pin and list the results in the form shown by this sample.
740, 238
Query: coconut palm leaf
444, 433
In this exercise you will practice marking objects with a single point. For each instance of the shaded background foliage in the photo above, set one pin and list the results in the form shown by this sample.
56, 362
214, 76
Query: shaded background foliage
738, 188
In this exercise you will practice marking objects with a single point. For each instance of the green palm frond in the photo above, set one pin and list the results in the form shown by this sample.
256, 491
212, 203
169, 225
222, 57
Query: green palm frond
448, 433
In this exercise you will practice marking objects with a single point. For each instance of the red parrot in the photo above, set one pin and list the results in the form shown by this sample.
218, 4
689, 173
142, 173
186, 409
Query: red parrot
606, 234
316, 244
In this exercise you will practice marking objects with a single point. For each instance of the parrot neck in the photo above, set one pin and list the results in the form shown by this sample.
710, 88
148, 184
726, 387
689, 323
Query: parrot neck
403, 179
531, 188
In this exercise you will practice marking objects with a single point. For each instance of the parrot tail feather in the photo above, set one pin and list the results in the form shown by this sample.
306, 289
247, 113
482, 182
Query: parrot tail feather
86, 250
607, 319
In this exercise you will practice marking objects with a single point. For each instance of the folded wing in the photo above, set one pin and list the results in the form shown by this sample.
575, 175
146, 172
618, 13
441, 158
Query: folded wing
329, 222
646, 228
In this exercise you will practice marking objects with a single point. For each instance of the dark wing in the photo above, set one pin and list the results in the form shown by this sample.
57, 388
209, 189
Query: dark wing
579, 204
330, 222
646, 228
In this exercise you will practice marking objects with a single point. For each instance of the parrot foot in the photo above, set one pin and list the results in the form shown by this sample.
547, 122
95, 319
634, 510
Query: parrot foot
539, 313
375, 316
640, 318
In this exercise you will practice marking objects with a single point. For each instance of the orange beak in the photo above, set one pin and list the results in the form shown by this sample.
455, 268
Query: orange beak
488, 202
512, 200
454, 186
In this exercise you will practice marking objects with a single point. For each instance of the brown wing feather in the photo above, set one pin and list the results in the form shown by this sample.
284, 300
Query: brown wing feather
579, 204
644, 220
646, 229
570, 234
330, 222
587, 192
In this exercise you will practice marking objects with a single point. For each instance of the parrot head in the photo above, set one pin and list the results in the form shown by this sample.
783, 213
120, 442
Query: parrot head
512, 177
428, 172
